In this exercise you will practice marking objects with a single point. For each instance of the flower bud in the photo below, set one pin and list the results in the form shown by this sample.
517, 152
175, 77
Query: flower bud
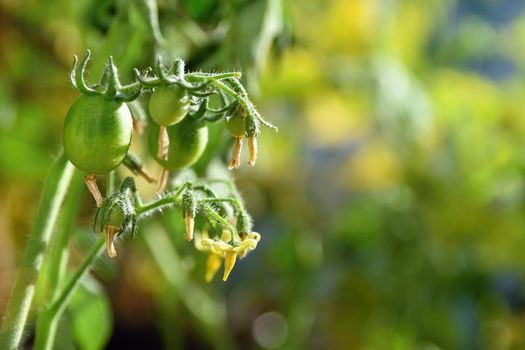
189, 208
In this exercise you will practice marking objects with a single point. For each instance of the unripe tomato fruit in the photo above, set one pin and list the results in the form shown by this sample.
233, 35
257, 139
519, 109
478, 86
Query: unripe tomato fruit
236, 124
168, 105
116, 217
188, 141
97, 133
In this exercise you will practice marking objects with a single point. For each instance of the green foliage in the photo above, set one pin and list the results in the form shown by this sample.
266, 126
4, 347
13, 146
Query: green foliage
90, 317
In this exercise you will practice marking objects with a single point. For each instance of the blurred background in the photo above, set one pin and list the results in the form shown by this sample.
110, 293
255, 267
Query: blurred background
390, 203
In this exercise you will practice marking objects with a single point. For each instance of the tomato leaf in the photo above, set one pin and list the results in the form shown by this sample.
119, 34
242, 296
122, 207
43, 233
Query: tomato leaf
91, 316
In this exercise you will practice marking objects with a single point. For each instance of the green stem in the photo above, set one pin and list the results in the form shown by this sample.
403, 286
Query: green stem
233, 201
19, 303
48, 322
159, 203
198, 76
58, 253
213, 214
231, 92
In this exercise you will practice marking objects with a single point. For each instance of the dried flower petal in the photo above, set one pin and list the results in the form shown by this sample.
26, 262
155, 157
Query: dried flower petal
164, 143
235, 162
91, 183
252, 148
111, 231
189, 220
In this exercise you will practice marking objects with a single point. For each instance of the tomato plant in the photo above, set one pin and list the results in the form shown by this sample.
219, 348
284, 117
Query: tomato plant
97, 134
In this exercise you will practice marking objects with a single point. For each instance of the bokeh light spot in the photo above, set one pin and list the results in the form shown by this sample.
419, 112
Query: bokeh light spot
270, 330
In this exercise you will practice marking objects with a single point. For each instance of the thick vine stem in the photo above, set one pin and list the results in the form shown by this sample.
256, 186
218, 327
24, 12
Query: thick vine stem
57, 254
48, 322
17, 310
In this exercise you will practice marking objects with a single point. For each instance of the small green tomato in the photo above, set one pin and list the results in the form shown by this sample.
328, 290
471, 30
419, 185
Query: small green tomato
97, 133
236, 124
168, 105
116, 217
187, 142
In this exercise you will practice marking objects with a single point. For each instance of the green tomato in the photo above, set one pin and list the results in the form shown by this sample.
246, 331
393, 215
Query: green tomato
188, 141
116, 217
168, 105
97, 133
236, 124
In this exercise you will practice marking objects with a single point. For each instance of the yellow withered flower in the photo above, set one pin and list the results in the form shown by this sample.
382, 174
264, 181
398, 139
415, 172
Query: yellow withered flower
223, 249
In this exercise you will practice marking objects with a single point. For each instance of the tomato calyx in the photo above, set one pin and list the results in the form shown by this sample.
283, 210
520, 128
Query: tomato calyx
109, 85
116, 215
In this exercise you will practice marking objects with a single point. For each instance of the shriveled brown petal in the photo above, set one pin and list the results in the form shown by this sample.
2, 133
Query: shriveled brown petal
91, 184
235, 162
111, 231
164, 143
252, 148
189, 220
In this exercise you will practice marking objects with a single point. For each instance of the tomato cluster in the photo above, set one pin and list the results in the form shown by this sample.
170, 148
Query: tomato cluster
97, 131
99, 125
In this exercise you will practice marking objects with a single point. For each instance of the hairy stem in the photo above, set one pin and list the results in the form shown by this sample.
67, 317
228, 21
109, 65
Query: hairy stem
162, 202
48, 322
19, 304
57, 255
